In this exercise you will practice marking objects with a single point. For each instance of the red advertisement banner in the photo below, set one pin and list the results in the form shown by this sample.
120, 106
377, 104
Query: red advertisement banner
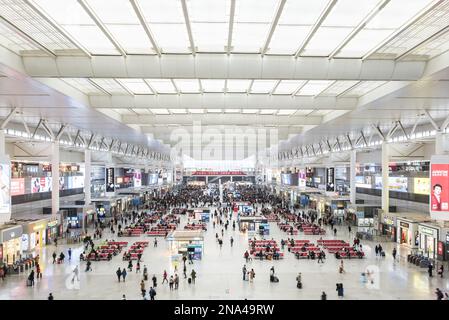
439, 199
17, 186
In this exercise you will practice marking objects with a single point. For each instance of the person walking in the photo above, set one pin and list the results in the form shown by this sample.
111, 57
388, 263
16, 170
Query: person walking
341, 269
54, 257
184, 271
152, 293
154, 279
88, 265
323, 296
340, 290
244, 272
70, 254
124, 273
50, 296
193, 275
441, 271
142, 288
349, 229
165, 277
335, 232
439, 294
176, 282
299, 281
130, 266
155, 242
31, 278
170, 283
430, 269
138, 267
252, 274
75, 274
232, 241
119, 274
394, 253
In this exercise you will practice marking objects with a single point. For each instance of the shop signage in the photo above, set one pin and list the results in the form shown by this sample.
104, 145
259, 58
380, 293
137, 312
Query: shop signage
218, 173
404, 225
110, 185
388, 221
52, 223
427, 231
440, 248
39, 227
11, 233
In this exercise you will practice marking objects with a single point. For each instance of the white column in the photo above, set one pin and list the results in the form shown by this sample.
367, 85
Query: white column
440, 143
385, 181
54, 178
352, 186
221, 191
2, 143
87, 173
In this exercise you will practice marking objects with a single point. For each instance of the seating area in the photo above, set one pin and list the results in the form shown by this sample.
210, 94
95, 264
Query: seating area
310, 229
265, 249
271, 217
195, 226
131, 232
287, 228
341, 249
106, 251
135, 250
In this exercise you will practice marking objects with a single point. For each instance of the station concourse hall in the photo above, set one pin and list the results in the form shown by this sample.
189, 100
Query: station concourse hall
218, 150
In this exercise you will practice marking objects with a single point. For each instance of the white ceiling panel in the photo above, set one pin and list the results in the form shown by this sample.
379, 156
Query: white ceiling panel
70, 15
215, 85
161, 85
136, 86
237, 85
188, 85
83, 85
314, 87
263, 86
363, 88
288, 86
110, 85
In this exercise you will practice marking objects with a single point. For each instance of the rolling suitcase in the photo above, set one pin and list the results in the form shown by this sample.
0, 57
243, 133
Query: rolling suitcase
29, 283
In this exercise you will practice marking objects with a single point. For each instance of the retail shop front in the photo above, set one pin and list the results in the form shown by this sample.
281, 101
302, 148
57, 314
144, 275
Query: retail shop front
407, 233
428, 239
388, 226
34, 235
11, 241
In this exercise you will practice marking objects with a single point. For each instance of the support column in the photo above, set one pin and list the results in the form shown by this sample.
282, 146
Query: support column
352, 171
385, 181
440, 143
54, 178
2, 143
221, 191
87, 174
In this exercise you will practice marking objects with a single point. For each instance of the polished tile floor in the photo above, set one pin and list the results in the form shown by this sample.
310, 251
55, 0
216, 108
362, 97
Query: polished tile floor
219, 274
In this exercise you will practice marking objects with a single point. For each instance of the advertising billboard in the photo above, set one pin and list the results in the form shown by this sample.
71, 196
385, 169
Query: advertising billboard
110, 180
421, 186
42, 184
439, 200
137, 179
17, 186
302, 179
399, 184
5, 191
330, 179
